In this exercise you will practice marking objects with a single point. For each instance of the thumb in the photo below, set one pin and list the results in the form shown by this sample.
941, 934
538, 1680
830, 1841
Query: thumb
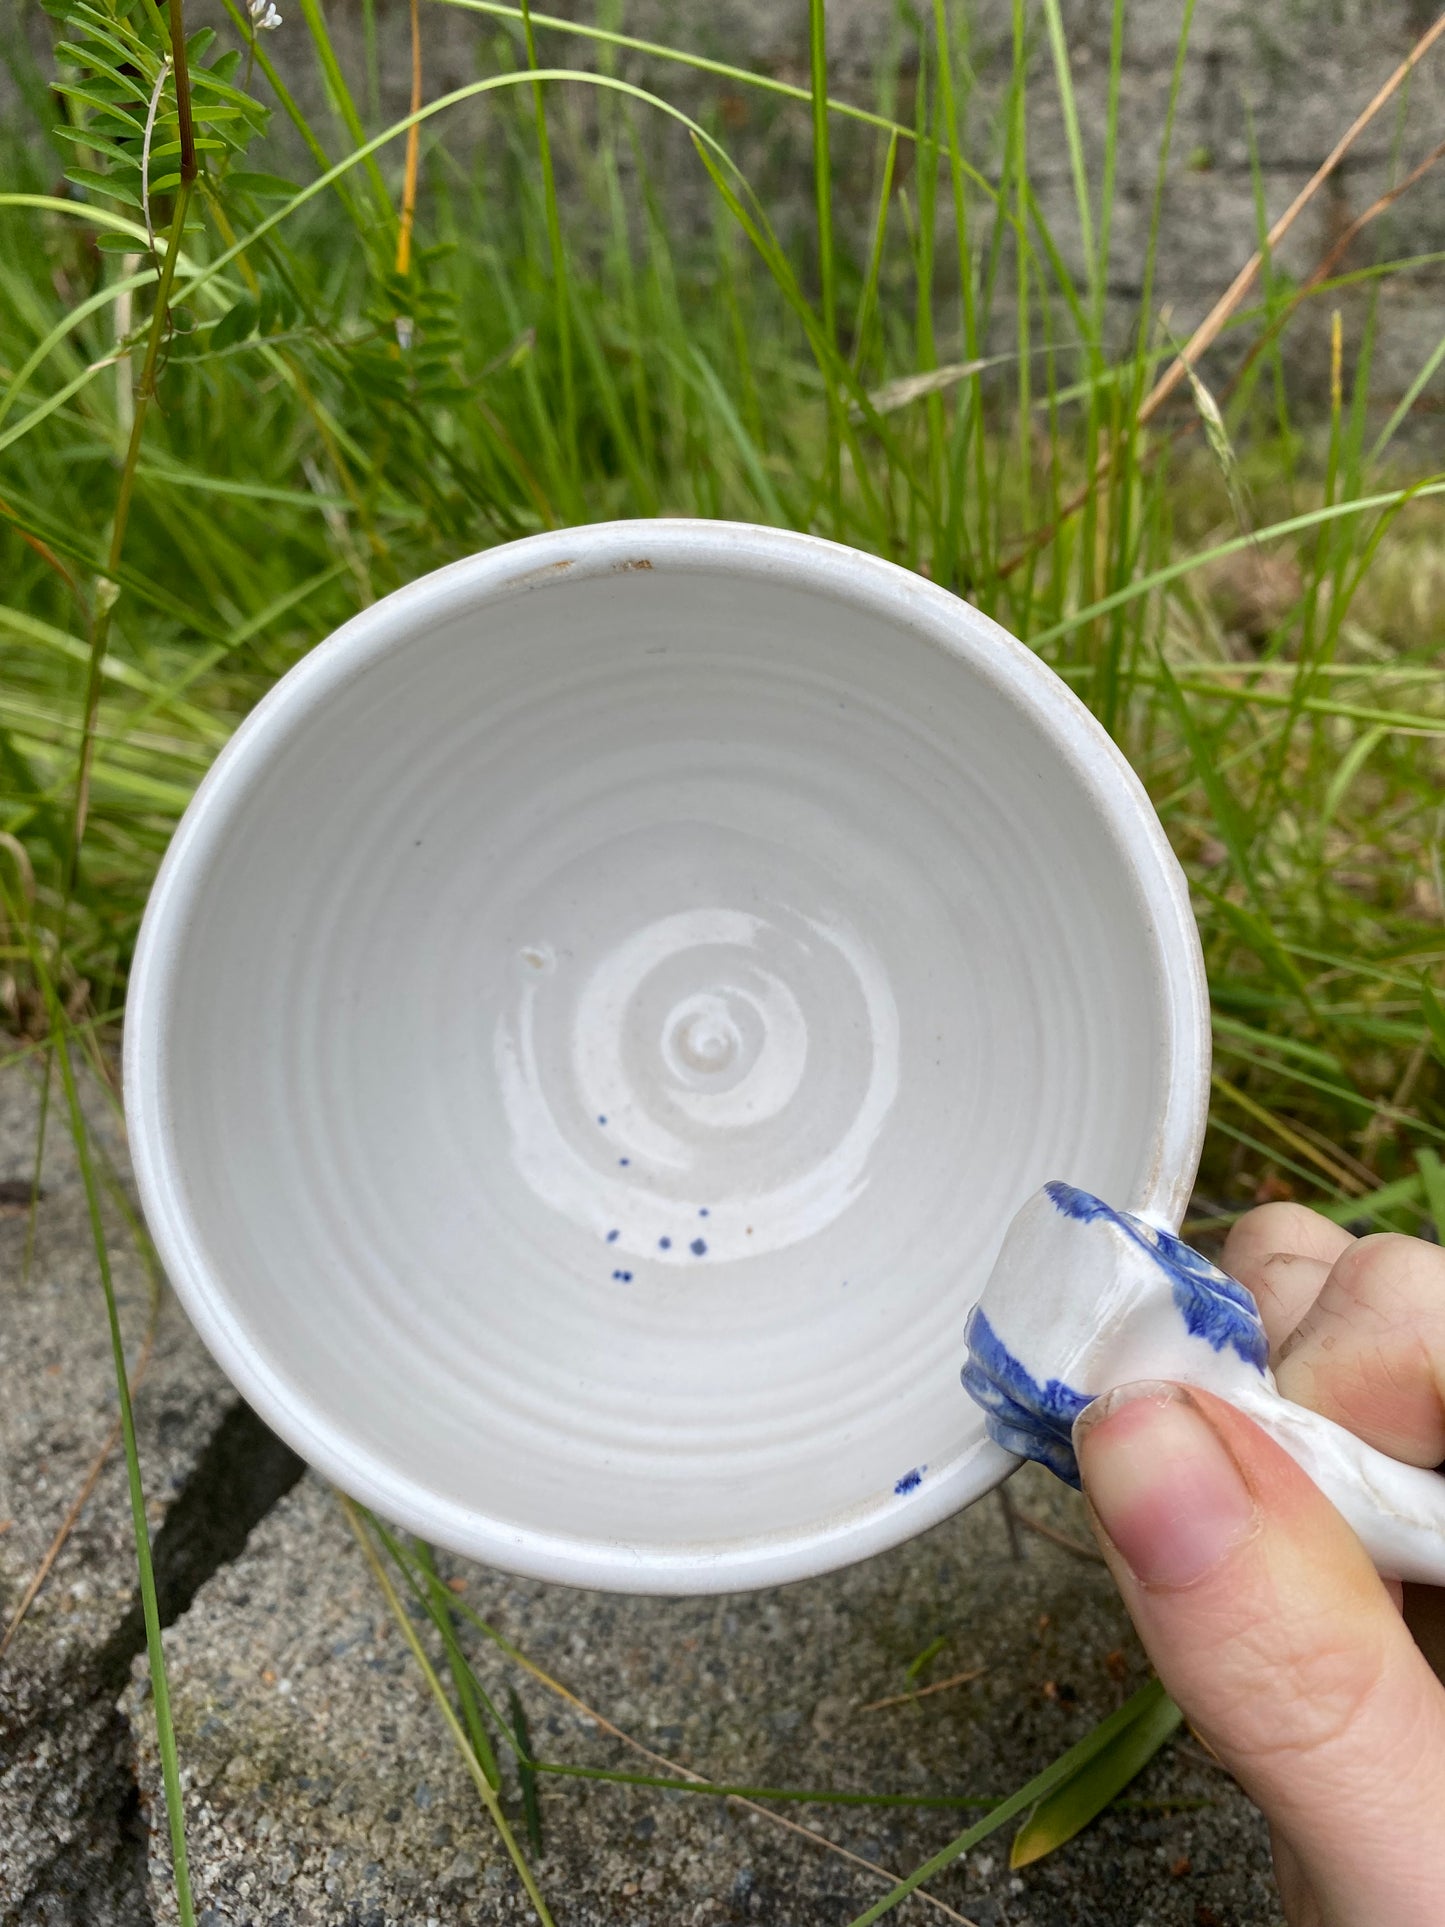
1273, 1631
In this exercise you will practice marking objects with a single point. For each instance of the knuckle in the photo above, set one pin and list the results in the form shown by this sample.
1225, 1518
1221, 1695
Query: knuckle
1309, 1696
1397, 1279
1267, 1230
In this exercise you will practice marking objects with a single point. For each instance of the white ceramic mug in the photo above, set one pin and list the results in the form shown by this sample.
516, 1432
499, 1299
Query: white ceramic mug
597, 1018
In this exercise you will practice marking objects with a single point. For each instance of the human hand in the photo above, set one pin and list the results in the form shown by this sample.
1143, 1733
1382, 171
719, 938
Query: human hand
1259, 1607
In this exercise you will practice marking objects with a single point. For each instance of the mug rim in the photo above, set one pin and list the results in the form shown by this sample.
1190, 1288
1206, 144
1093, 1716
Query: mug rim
677, 545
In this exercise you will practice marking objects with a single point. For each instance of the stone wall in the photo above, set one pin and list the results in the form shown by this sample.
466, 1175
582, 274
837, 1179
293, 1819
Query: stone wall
1266, 91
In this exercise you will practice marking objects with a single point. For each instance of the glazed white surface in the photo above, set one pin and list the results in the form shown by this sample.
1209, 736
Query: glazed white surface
826, 896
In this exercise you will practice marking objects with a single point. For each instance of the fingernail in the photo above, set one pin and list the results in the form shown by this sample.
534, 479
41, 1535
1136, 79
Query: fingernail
1162, 1484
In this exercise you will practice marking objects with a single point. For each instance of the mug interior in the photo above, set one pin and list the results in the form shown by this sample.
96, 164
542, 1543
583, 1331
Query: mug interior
599, 1018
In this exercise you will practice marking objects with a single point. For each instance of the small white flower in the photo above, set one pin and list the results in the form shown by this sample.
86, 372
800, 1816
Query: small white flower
405, 332
264, 16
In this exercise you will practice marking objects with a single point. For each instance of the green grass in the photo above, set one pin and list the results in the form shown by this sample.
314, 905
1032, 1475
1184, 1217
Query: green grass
1247, 591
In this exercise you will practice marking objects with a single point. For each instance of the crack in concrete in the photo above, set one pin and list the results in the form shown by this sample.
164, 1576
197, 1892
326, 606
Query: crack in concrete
243, 1472
96, 1876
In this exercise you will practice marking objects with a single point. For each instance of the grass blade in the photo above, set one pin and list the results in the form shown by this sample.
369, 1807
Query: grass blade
1070, 1807
1434, 1011
1059, 48
1375, 1204
526, 1771
356, 1520
868, 300
1432, 1178
1064, 1769
439, 1606
823, 202
339, 95
150, 1610
1160, 578
561, 298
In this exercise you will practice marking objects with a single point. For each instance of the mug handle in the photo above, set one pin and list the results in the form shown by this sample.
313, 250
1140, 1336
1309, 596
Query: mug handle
1083, 1298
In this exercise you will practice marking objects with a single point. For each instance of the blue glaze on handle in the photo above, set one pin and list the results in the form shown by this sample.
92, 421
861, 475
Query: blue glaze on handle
1034, 1420
1033, 1415
1214, 1306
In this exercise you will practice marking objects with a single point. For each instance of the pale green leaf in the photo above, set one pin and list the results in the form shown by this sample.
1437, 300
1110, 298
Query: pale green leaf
1081, 1798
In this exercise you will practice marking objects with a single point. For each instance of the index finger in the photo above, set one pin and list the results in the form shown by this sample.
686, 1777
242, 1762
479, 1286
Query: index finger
1282, 1254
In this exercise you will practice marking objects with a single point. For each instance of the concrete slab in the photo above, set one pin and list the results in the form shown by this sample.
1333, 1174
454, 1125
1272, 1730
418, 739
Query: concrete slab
73, 1844
322, 1789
